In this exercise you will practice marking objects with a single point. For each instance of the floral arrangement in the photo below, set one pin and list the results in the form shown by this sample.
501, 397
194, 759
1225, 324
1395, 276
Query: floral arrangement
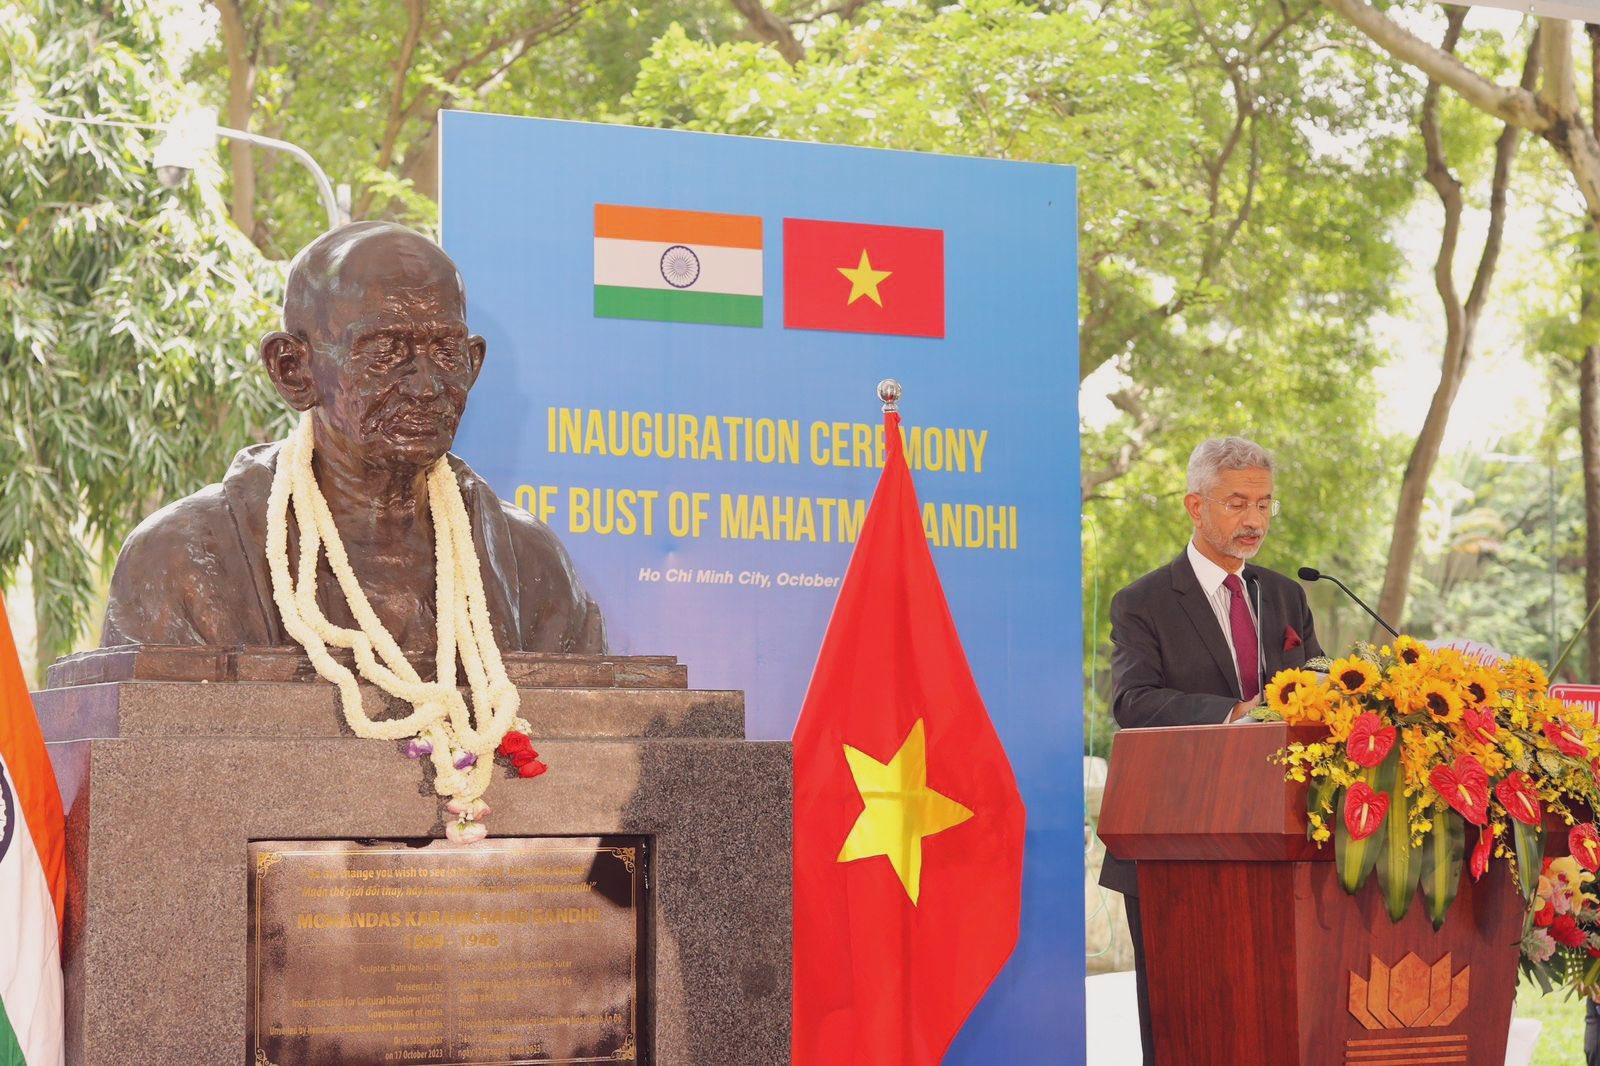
1423, 743
1561, 938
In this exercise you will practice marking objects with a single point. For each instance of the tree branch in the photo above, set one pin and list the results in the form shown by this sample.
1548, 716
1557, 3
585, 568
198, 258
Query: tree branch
1505, 153
771, 29
1449, 189
416, 14
1515, 105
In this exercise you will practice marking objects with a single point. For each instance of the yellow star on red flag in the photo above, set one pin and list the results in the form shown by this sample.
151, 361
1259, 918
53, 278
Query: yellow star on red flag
864, 280
900, 809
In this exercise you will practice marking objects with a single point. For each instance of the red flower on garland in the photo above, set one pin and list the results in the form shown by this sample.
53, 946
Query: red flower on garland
1584, 842
1369, 741
519, 749
1480, 725
1364, 810
1464, 784
1520, 799
1545, 914
1564, 931
1480, 854
1565, 738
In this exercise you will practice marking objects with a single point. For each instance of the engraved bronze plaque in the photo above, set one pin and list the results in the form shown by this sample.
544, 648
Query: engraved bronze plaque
511, 950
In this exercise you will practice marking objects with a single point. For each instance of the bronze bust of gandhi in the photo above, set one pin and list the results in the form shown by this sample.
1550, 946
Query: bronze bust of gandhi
375, 345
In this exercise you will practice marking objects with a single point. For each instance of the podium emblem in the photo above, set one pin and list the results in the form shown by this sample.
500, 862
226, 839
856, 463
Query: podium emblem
1410, 994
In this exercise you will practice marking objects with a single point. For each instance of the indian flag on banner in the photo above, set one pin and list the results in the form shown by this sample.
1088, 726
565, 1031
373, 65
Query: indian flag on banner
32, 878
677, 266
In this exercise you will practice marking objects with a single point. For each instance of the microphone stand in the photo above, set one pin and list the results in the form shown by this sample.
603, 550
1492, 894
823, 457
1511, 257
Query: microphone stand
1253, 583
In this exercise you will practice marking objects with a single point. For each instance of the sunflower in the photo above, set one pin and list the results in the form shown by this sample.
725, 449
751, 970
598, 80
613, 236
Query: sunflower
1479, 686
1352, 675
1440, 699
1286, 691
1409, 650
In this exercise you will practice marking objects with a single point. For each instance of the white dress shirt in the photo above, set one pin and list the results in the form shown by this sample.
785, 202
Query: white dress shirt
1211, 578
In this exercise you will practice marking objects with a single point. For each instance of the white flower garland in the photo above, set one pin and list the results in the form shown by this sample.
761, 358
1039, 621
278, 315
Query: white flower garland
462, 740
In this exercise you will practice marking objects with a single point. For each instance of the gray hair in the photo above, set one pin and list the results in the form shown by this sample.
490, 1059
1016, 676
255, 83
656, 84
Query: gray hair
1211, 457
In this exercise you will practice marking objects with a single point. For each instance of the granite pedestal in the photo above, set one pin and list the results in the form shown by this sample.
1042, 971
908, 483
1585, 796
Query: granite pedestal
166, 783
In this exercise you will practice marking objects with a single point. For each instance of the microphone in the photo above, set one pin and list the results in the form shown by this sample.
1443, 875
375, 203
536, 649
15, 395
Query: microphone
1311, 573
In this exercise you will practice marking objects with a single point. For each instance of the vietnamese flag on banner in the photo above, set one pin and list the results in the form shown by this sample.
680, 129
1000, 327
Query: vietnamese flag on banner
863, 279
908, 827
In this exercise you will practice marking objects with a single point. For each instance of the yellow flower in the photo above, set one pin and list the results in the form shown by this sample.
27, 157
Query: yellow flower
1352, 675
1525, 677
1340, 717
1410, 651
1448, 663
1284, 693
1479, 686
1440, 699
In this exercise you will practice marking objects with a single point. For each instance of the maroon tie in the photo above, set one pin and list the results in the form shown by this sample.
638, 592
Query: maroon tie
1245, 649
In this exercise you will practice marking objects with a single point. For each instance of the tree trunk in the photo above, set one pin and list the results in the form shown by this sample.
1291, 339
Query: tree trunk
422, 163
241, 104
1461, 317
1589, 434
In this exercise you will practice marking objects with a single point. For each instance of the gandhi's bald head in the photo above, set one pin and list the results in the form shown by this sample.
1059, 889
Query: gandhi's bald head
375, 342
341, 269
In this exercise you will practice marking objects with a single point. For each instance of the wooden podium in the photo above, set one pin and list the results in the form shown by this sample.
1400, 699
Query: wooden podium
1254, 953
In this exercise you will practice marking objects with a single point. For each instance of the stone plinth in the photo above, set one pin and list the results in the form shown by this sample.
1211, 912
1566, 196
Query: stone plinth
167, 781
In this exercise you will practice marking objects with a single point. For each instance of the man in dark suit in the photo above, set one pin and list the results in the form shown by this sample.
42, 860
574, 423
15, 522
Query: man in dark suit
1194, 642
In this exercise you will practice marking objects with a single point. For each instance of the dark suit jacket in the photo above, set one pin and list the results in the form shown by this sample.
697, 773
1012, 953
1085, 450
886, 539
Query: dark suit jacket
1170, 663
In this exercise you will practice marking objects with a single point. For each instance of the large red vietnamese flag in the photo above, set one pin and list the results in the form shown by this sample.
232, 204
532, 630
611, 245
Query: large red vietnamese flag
908, 828
863, 279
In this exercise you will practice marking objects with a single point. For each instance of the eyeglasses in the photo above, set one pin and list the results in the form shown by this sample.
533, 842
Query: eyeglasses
1236, 506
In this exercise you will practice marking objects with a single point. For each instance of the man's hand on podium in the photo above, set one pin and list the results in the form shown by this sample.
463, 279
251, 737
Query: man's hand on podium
1241, 711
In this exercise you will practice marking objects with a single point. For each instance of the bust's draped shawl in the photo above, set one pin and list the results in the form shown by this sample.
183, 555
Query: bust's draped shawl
196, 572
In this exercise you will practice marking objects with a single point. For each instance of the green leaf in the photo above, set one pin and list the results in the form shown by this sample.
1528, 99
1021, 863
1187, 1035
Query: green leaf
1529, 843
1443, 851
1319, 801
1399, 864
1355, 859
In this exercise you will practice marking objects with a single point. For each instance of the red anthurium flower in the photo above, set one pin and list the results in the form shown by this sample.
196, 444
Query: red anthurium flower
1479, 725
1364, 810
1370, 740
1565, 738
1464, 784
1564, 931
1480, 854
1520, 799
1584, 842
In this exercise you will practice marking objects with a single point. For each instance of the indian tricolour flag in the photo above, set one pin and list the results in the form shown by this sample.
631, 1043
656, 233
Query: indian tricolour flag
32, 878
677, 266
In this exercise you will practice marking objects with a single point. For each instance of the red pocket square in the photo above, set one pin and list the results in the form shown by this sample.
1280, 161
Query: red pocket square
1291, 639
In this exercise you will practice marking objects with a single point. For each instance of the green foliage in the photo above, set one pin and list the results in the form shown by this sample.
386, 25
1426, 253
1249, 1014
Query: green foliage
1236, 196
1492, 560
126, 373
327, 81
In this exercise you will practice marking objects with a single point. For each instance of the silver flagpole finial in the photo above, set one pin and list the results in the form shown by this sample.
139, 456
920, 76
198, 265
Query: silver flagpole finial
889, 391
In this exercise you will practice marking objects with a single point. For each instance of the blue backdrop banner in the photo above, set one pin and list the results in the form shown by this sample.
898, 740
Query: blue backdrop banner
684, 333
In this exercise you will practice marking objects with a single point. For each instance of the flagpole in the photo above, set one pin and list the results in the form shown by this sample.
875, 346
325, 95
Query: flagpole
889, 391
